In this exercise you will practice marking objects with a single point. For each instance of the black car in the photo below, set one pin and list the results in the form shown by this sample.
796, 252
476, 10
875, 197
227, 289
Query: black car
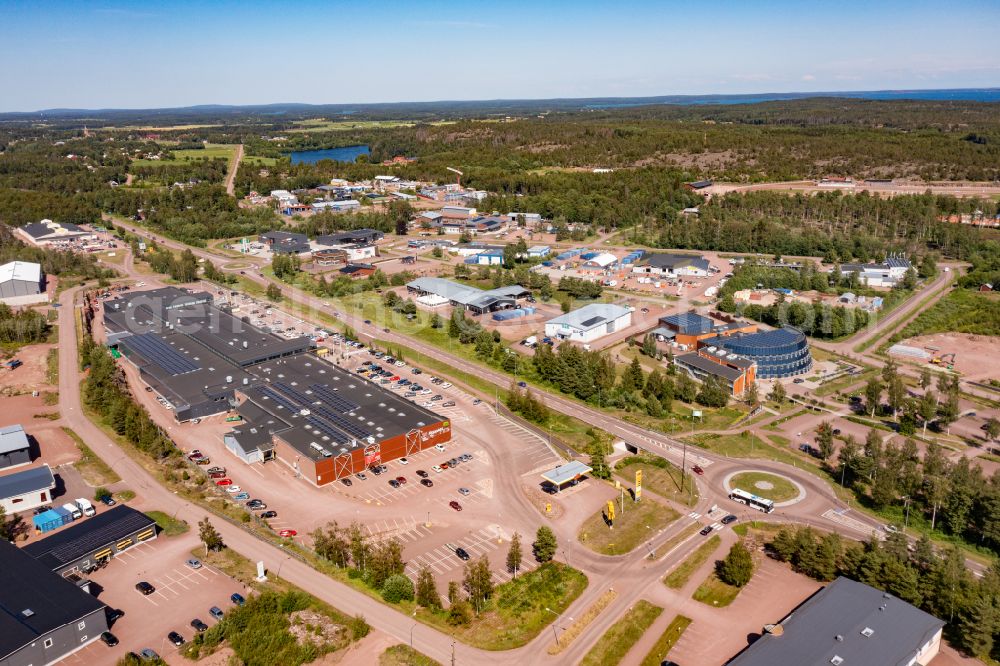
198, 625
175, 638
705, 531
237, 598
729, 519
114, 614
346, 482
145, 588
462, 554
427, 482
109, 638
422, 474
108, 500
269, 514
394, 483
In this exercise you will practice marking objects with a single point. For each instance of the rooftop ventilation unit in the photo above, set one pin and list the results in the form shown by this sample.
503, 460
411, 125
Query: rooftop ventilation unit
836, 660
867, 632
27, 612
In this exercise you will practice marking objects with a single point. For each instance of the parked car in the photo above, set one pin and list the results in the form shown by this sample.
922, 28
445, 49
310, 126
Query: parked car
347, 482
436, 468
241, 497
401, 480
464, 491
109, 638
450, 403
394, 483
145, 588
287, 534
729, 519
361, 476
216, 475
455, 505
237, 598
147, 654
462, 554
427, 482
114, 614
216, 470
193, 562
232, 490
107, 500
175, 638
269, 514
198, 625
216, 612
422, 474
223, 482
404, 461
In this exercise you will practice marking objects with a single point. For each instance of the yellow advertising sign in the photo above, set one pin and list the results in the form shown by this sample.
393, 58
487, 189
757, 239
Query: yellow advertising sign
611, 511
548, 507
638, 485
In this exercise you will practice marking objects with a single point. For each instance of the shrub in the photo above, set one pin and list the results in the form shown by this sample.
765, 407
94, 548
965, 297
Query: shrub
397, 588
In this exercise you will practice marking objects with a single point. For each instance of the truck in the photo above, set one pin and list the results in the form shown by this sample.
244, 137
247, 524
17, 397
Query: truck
73, 510
85, 506
64, 515
530, 341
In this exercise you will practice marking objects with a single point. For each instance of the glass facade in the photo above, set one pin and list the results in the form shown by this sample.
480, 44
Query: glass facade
780, 353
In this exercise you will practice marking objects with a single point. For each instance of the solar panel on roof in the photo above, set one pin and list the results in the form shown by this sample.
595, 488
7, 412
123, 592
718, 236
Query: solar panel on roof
345, 424
325, 427
330, 397
280, 399
592, 321
156, 350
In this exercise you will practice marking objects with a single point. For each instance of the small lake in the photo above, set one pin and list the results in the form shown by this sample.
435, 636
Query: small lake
344, 154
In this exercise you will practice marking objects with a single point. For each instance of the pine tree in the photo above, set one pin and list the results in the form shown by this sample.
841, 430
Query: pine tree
737, 567
545, 544
514, 555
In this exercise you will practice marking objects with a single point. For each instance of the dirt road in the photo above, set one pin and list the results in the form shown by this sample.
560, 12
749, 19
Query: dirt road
234, 166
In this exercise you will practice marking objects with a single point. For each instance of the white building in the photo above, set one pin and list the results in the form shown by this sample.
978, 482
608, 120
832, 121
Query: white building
48, 232
22, 283
336, 206
589, 323
603, 260
26, 490
670, 265
284, 198
879, 275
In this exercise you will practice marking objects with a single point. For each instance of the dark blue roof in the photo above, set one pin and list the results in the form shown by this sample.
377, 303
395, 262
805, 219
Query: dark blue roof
689, 323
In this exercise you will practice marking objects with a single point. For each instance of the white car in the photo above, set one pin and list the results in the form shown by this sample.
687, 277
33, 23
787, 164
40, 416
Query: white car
426, 392
427, 404
232, 490
400, 364
446, 385
404, 461
439, 447
437, 469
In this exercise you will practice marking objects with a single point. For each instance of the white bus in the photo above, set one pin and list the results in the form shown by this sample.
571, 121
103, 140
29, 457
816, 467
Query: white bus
759, 503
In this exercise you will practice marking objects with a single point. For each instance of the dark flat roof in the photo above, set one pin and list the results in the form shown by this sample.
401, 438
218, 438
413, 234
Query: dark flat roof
695, 360
26, 481
689, 323
35, 601
344, 409
72, 543
837, 621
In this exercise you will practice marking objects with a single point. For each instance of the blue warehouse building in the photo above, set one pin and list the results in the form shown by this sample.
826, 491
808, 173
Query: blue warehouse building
783, 352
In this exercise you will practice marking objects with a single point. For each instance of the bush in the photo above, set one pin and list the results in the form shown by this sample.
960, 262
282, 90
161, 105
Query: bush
359, 627
397, 588
737, 568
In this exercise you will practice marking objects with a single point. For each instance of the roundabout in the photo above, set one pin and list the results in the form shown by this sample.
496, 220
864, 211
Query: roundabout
775, 487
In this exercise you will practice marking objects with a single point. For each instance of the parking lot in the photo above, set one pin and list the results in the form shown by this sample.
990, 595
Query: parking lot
182, 594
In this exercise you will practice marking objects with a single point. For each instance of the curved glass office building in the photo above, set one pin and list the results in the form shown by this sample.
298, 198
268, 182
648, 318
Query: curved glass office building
780, 353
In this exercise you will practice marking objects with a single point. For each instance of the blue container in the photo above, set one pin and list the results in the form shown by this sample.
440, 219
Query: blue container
66, 516
48, 521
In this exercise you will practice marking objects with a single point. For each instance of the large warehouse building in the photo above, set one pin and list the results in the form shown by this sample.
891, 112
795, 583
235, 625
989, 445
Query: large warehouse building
589, 323
315, 417
438, 291
22, 283
43, 616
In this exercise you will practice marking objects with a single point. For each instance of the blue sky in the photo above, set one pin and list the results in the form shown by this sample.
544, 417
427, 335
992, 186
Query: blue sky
101, 54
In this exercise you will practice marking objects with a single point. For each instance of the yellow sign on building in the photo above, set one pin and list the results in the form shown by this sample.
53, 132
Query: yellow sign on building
638, 485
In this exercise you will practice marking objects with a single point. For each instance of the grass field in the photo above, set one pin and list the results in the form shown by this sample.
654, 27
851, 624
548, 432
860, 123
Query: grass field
960, 311
404, 655
612, 647
211, 151
713, 592
666, 641
324, 125
582, 621
659, 476
682, 573
169, 526
94, 471
781, 489
636, 525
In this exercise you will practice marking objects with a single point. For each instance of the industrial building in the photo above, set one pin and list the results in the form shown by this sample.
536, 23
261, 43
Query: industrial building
189, 352
434, 291
355, 237
689, 329
326, 423
48, 232
43, 616
22, 283
285, 242
26, 490
735, 372
673, 265
783, 352
315, 417
589, 323
84, 545
851, 624
885, 274
15, 449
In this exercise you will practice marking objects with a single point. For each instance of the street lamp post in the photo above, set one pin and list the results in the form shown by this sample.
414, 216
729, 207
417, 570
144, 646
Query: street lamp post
554, 632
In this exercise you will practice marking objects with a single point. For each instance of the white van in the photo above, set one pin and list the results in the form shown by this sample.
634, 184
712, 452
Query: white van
73, 510
85, 506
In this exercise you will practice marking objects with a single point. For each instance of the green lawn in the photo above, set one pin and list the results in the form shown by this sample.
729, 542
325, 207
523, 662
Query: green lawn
745, 446
682, 573
94, 470
666, 641
211, 151
781, 489
168, 525
713, 592
612, 647
659, 476
404, 655
960, 311
636, 525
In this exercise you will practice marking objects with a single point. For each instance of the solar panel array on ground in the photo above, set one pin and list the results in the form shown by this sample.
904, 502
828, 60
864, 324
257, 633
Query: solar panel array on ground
153, 348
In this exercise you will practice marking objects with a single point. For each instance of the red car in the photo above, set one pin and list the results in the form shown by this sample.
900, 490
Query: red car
194, 455
443, 465
224, 482
401, 479
217, 475
697, 470
455, 505
287, 533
